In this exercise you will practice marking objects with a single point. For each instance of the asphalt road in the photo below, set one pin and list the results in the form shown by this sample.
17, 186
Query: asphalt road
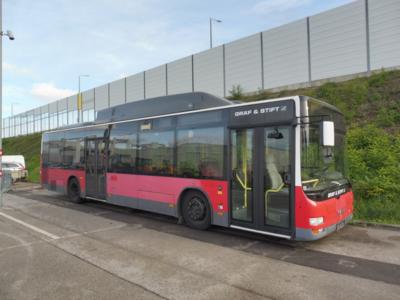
53, 249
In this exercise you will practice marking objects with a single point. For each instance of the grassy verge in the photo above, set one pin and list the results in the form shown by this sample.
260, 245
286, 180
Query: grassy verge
29, 147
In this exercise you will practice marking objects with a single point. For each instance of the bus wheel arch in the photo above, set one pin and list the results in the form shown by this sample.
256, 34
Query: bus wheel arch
74, 189
201, 216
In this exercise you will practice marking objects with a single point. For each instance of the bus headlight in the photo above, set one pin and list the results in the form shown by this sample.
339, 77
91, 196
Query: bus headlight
316, 221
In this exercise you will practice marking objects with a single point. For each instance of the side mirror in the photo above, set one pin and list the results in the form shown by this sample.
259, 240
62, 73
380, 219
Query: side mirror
327, 133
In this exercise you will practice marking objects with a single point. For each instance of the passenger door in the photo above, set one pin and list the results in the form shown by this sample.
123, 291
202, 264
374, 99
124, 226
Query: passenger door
95, 158
260, 178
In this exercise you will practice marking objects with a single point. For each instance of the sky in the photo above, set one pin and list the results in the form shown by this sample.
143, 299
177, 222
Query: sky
57, 40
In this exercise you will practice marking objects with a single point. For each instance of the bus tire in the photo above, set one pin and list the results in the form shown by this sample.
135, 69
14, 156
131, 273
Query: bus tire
74, 191
196, 210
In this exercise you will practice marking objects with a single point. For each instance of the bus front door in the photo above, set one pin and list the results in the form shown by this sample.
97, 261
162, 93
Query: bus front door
260, 179
95, 168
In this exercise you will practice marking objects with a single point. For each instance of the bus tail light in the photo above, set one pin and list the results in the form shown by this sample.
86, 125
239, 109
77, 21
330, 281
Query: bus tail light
316, 221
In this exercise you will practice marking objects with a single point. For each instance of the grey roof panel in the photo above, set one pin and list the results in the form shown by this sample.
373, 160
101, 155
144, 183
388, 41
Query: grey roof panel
160, 106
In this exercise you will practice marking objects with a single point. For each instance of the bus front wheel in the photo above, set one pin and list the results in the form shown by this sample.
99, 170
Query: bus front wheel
74, 191
196, 211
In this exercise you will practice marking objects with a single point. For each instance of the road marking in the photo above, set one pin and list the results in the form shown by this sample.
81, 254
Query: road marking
73, 235
23, 245
34, 228
347, 263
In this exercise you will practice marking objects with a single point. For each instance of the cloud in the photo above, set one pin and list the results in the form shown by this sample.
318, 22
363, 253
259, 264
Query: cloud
273, 6
48, 92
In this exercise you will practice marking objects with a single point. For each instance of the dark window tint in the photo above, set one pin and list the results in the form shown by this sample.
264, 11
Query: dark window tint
91, 132
200, 118
201, 152
276, 168
45, 150
74, 156
76, 147
123, 148
162, 123
55, 147
73, 153
55, 153
156, 152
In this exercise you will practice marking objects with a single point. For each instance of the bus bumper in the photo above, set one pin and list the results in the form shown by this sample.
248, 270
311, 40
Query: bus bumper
305, 234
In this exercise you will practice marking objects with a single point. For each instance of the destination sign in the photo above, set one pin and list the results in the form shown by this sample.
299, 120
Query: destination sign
262, 113
336, 193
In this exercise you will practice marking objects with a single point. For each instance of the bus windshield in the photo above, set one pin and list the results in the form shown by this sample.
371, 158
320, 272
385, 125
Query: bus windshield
323, 168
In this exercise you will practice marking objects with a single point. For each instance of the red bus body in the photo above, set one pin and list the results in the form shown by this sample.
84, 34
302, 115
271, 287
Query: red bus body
162, 194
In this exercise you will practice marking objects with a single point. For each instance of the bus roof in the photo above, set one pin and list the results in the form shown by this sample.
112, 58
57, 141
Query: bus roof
171, 105
160, 106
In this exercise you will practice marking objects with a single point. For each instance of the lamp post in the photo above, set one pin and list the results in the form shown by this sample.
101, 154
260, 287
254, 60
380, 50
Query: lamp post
211, 31
11, 37
80, 112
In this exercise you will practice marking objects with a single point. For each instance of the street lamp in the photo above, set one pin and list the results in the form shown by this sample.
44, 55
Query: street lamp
211, 22
80, 112
11, 37
8, 33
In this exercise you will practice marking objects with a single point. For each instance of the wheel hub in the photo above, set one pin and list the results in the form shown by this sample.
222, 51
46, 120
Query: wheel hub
196, 209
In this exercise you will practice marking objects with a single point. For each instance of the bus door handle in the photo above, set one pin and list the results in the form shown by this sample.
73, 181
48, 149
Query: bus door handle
241, 182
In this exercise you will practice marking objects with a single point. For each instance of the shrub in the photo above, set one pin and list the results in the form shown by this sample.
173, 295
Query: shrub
374, 164
236, 92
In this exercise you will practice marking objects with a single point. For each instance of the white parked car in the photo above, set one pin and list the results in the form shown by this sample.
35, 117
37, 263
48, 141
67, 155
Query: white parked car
18, 171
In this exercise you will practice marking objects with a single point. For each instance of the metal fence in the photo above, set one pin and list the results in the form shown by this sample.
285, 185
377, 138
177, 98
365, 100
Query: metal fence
352, 39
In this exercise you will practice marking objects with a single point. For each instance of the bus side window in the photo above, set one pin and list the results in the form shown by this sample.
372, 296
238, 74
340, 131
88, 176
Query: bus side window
156, 152
200, 152
123, 148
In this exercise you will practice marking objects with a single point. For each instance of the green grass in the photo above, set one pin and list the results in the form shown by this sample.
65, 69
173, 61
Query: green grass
29, 147
371, 106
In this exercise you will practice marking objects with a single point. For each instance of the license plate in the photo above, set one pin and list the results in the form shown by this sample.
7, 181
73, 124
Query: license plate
340, 225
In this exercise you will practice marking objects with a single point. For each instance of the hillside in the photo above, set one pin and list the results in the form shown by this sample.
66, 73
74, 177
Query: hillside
372, 110
29, 147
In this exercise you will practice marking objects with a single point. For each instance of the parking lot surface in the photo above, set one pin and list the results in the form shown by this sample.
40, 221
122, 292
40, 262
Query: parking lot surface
54, 249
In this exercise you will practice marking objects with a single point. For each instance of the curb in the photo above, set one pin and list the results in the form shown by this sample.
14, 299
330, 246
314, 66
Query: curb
375, 225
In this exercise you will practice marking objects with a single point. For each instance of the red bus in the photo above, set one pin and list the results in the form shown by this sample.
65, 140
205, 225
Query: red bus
275, 167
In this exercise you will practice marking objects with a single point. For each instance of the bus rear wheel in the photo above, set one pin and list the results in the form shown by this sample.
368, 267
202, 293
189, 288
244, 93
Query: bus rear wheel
74, 191
196, 211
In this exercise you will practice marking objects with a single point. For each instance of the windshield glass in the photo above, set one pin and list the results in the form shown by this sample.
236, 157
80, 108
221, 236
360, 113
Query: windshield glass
323, 168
